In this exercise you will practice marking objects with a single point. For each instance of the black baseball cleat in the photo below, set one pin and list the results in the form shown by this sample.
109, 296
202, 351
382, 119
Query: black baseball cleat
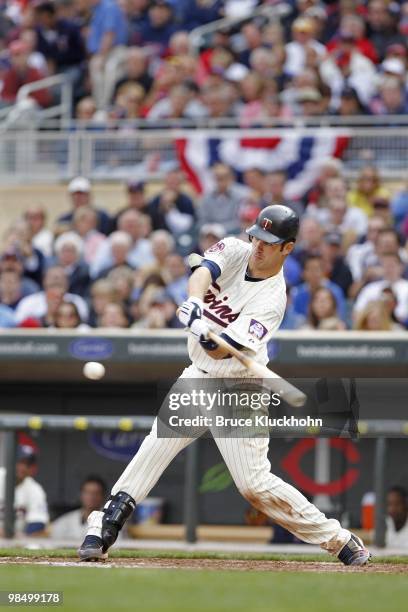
92, 549
354, 552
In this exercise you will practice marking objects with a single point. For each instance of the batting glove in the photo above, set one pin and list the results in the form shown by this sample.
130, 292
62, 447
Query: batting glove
191, 310
200, 329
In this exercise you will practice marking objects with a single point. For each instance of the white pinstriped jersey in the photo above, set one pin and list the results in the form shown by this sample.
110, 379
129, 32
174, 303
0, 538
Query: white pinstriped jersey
248, 311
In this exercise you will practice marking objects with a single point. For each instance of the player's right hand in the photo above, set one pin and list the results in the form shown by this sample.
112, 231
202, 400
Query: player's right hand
190, 311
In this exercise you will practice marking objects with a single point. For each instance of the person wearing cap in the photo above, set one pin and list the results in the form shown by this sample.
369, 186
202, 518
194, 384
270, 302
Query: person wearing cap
336, 268
80, 194
136, 199
238, 291
21, 73
303, 38
30, 501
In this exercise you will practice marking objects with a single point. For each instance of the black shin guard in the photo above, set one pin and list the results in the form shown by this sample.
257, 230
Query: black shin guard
116, 511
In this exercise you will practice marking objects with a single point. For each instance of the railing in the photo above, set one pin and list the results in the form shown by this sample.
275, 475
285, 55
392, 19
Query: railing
126, 151
61, 85
273, 12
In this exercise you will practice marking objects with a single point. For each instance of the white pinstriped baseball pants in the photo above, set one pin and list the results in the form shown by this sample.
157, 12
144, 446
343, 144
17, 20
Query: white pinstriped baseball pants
247, 461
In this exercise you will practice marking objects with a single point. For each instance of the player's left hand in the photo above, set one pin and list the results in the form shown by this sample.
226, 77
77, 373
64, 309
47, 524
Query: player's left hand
190, 311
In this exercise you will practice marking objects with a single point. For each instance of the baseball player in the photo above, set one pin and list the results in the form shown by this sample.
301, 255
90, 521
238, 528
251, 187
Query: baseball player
238, 290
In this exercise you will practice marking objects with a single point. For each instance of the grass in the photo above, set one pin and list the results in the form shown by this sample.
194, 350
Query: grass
147, 590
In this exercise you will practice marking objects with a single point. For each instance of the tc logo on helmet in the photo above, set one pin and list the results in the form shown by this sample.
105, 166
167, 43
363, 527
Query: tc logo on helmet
266, 224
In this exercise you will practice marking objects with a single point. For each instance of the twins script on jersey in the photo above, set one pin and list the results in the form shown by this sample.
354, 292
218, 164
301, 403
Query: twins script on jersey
249, 311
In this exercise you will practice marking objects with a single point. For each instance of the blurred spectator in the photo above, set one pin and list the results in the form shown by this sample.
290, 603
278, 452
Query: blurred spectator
60, 41
162, 245
136, 13
382, 30
136, 71
367, 188
44, 304
355, 25
274, 191
102, 293
80, 194
329, 168
160, 25
182, 102
11, 260
136, 198
30, 500
396, 535
19, 74
74, 524
223, 203
156, 310
122, 280
68, 250
368, 267
375, 317
346, 66
309, 239
200, 12
120, 244
349, 104
176, 278
42, 237
303, 42
210, 233
106, 37
172, 209
357, 255
322, 313
392, 271
391, 99
67, 317
313, 275
350, 221
11, 289
336, 269
113, 316
137, 226
18, 241
84, 223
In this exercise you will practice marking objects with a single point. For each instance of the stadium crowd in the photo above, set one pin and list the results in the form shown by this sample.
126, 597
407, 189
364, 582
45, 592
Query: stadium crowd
130, 269
134, 59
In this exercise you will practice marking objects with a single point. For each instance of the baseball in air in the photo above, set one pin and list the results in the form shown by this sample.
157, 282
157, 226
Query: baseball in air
94, 370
